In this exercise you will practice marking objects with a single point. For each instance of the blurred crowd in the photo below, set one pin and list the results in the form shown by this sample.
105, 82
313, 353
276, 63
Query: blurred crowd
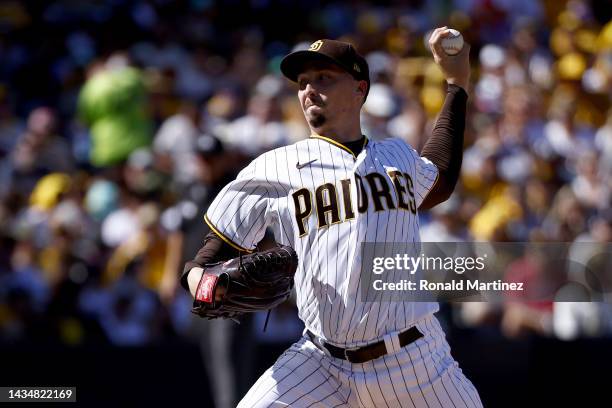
121, 120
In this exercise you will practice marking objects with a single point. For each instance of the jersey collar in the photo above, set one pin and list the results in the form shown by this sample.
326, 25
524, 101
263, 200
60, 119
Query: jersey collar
338, 144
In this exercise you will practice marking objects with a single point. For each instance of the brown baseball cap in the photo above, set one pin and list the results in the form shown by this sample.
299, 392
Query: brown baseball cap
340, 53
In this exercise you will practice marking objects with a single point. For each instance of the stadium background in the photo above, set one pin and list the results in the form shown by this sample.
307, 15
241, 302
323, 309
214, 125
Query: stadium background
119, 120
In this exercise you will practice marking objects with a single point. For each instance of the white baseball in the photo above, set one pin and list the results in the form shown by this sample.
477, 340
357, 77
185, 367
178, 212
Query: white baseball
453, 44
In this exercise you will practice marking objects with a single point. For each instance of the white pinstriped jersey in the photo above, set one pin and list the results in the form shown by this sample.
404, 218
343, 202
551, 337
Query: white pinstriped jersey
324, 201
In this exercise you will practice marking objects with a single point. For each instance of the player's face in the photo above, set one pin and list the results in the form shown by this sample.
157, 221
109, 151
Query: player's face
327, 93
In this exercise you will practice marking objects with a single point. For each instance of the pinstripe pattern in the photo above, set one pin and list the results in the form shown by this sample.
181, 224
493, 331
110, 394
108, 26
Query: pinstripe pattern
302, 377
420, 375
327, 282
328, 285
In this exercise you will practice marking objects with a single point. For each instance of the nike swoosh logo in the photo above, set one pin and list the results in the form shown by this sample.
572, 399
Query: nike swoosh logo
301, 166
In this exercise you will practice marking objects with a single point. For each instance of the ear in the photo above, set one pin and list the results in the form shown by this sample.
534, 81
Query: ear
360, 87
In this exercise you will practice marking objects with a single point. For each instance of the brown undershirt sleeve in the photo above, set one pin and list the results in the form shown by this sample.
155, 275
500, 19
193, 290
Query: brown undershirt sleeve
213, 250
445, 146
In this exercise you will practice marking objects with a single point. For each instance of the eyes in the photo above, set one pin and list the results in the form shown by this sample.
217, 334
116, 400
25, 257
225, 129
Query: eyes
318, 79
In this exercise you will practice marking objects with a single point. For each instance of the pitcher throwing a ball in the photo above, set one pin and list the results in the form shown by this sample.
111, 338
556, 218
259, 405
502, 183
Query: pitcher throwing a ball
323, 197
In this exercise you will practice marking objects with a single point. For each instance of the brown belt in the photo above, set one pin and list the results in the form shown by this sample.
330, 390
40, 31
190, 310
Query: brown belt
368, 352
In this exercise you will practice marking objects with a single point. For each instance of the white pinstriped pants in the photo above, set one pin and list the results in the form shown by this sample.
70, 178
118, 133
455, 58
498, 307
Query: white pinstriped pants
420, 375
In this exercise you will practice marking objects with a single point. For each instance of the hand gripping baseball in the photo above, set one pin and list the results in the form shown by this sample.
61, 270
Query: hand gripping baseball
456, 68
254, 282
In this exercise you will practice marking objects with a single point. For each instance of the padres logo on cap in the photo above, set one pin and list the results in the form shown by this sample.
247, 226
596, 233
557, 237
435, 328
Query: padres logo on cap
356, 67
315, 46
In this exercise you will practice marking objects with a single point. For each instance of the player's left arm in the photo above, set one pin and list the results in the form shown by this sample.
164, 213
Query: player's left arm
445, 145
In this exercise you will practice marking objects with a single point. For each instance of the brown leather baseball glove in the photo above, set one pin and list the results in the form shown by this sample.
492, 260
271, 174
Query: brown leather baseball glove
254, 282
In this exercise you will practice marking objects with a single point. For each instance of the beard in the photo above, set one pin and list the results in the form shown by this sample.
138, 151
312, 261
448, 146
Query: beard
317, 120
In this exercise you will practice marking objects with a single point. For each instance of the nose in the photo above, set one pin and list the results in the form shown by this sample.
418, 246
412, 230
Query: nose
310, 93
309, 90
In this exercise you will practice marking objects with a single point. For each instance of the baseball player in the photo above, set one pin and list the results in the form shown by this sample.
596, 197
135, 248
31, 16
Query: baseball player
323, 197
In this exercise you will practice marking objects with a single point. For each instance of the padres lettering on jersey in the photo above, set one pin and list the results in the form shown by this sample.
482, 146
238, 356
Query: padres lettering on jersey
321, 199
327, 202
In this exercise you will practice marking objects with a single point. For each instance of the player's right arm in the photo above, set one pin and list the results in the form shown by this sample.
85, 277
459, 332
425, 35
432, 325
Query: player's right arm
237, 217
241, 211
213, 250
